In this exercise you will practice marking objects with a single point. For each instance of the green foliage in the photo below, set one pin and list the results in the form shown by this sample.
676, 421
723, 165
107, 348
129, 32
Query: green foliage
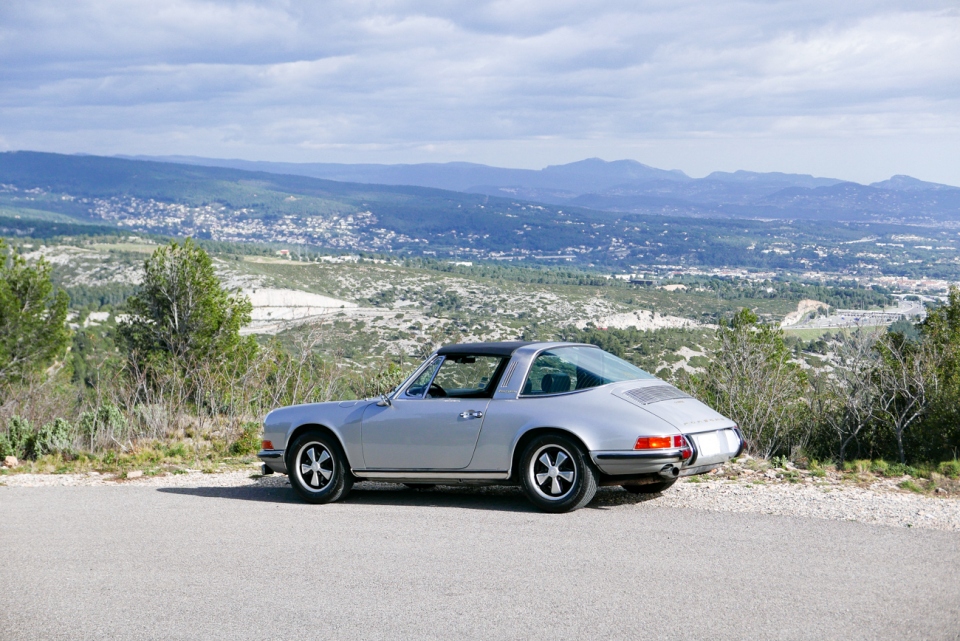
910, 486
16, 441
906, 329
107, 421
93, 356
950, 469
454, 224
844, 295
379, 379
33, 331
182, 312
779, 461
249, 440
53, 438
24, 442
880, 466
899, 469
753, 380
645, 349
97, 296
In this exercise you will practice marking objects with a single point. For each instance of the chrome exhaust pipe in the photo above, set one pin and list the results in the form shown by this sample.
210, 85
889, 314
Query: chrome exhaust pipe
670, 471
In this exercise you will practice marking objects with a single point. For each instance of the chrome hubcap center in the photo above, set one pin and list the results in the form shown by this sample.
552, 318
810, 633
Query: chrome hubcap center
317, 468
548, 472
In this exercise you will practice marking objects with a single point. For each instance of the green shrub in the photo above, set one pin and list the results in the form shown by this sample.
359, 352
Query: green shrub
860, 466
53, 438
249, 440
898, 469
950, 469
16, 442
106, 420
911, 486
880, 466
178, 450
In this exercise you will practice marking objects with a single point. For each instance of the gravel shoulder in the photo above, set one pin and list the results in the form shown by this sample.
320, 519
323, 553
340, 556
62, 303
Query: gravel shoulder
880, 503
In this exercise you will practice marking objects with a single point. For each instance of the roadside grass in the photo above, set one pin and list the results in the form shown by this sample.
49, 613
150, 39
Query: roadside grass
158, 458
154, 458
934, 479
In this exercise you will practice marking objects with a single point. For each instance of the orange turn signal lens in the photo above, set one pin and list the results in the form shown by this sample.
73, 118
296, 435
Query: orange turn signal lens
653, 443
266, 445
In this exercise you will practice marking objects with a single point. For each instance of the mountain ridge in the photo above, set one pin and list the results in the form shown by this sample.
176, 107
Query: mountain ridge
628, 186
41, 194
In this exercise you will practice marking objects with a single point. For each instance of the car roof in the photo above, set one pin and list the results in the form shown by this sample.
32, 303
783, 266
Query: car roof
505, 348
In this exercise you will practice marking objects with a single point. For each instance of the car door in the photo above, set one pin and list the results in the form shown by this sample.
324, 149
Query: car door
434, 423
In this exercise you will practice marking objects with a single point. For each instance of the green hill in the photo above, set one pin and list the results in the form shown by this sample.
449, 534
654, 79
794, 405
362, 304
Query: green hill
233, 205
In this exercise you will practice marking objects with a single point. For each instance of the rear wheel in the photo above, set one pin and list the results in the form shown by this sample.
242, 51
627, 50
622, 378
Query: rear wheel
318, 469
649, 488
556, 475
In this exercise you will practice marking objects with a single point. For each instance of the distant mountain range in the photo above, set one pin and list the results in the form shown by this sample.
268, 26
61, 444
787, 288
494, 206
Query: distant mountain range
632, 187
45, 195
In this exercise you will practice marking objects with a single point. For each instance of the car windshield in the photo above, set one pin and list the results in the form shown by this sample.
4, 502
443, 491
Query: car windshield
565, 369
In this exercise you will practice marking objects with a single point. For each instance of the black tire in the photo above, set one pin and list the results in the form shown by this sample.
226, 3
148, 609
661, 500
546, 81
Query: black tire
566, 484
421, 486
650, 488
314, 485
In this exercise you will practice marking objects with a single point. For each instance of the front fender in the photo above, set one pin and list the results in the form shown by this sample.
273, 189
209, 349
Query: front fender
342, 418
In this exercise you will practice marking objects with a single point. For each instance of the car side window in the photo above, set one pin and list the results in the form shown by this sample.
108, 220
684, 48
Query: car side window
465, 377
566, 369
419, 385
550, 374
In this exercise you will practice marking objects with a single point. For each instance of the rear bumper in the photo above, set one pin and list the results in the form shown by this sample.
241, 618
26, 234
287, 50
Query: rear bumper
273, 459
710, 450
616, 463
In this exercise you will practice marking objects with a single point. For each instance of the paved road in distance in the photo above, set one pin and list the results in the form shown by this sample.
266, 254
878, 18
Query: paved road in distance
252, 563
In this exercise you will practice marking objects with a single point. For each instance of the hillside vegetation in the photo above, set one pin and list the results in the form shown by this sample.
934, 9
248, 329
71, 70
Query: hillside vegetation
113, 385
41, 193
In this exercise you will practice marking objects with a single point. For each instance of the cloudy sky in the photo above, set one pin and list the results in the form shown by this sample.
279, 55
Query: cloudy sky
857, 90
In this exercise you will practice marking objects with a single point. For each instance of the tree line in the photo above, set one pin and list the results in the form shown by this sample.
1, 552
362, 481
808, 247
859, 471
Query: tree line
175, 365
887, 393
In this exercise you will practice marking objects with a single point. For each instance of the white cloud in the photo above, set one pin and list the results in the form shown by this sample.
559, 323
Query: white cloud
544, 82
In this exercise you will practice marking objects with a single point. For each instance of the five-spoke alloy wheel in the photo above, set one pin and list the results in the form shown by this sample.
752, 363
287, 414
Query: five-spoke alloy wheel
556, 475
317, 468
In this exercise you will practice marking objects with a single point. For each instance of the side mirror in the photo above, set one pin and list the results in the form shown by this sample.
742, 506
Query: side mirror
384, 401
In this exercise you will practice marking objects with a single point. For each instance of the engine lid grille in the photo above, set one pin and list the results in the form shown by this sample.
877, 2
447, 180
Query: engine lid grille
655, 394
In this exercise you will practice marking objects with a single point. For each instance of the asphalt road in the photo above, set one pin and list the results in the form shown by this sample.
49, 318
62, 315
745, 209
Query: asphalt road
251, 563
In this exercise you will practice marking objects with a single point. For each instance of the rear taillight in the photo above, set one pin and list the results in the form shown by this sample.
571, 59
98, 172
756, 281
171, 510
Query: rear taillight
266, 445
665, 443
653, 443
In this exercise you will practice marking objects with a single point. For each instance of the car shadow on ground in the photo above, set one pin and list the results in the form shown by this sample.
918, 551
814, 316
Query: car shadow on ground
495, 497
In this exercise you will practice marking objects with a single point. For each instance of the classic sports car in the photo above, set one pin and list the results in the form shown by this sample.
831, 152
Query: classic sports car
558, 419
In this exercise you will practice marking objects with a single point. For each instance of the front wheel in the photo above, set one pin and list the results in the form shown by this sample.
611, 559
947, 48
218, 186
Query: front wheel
318, 469
556, 475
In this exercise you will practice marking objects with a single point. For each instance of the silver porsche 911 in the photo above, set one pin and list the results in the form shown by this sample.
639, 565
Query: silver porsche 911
557, 419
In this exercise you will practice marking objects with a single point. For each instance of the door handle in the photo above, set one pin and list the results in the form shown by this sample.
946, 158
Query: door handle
471, 414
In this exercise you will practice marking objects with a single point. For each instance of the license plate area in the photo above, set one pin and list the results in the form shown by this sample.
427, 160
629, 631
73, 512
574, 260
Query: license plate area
715, 447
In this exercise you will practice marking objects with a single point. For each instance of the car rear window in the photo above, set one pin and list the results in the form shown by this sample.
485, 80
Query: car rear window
566, 369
